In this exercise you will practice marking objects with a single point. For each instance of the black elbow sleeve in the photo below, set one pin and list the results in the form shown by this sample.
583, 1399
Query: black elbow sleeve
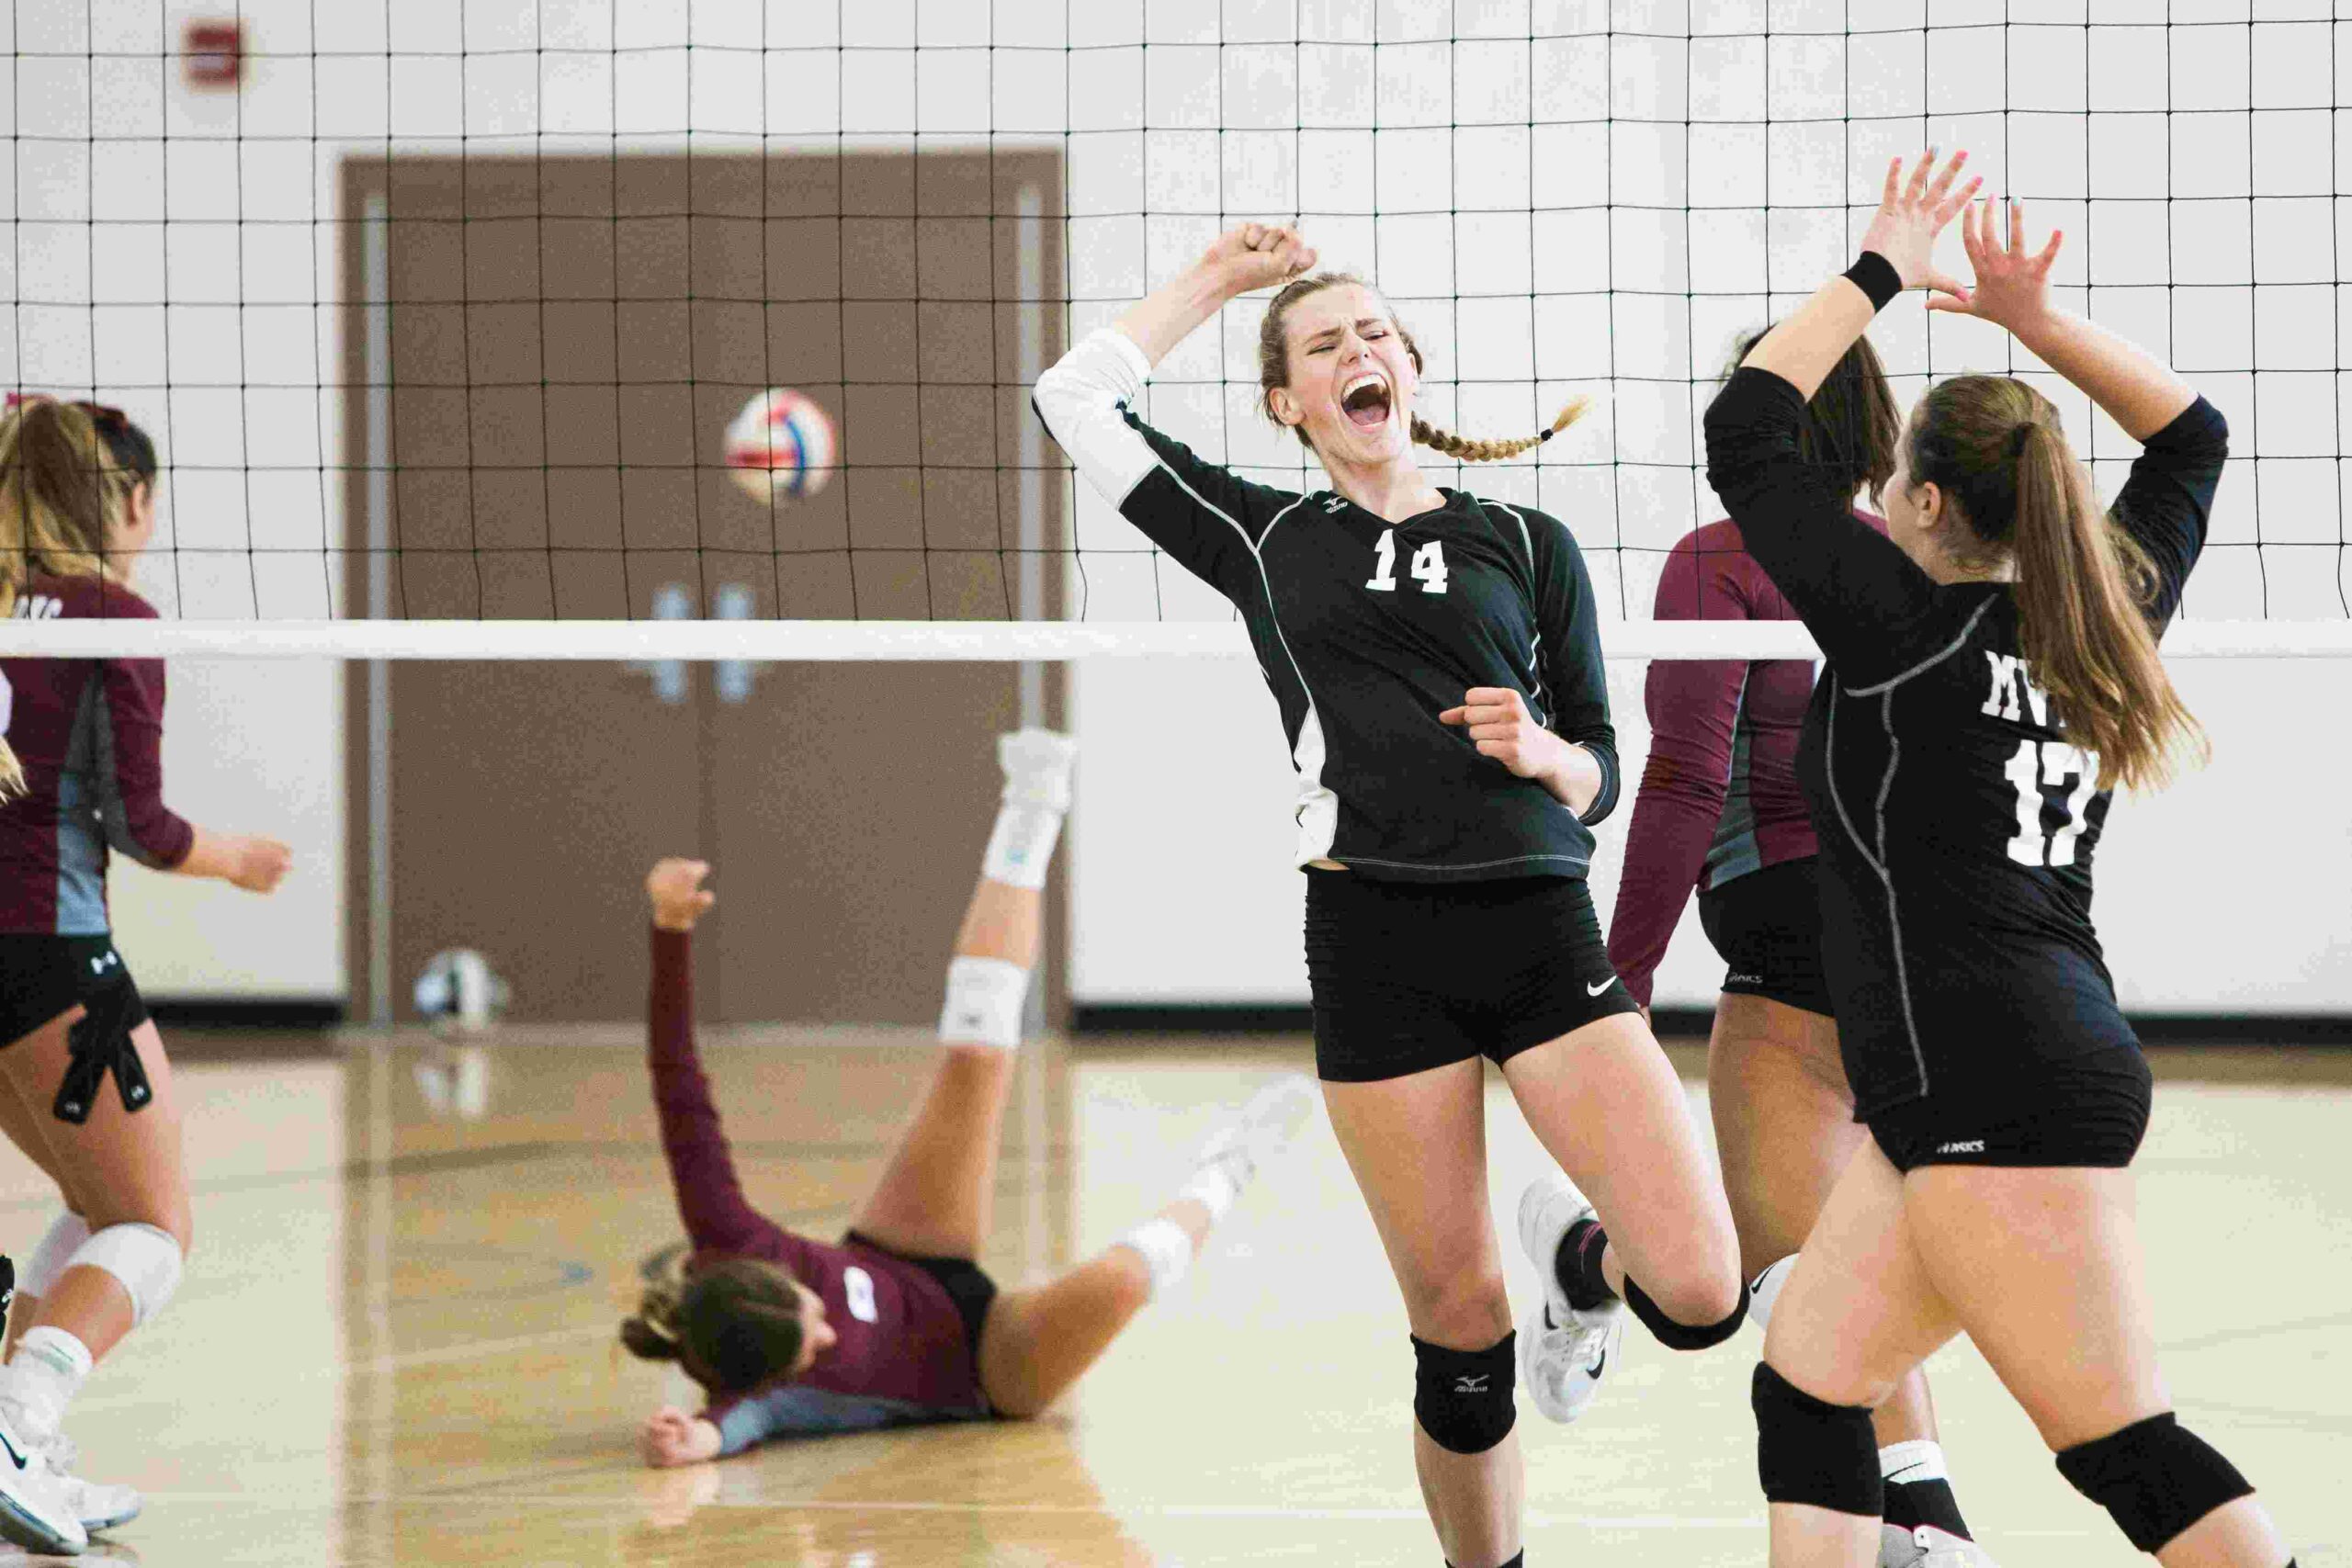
1604, 752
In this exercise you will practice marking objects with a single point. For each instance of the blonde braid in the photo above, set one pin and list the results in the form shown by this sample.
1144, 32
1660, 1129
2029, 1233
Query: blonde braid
1463, 449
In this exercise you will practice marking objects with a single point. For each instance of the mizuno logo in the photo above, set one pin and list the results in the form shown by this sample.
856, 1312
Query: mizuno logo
1596, 990
1973, 1146
1336, 502
1476, 1384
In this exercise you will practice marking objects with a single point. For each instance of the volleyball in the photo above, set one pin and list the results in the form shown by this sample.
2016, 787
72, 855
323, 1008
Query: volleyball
781, 446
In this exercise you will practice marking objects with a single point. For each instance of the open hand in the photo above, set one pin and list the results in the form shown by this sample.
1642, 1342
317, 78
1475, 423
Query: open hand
1258, 255
2012, 284
1496, 720
1912, 212
670, 1436
679, 897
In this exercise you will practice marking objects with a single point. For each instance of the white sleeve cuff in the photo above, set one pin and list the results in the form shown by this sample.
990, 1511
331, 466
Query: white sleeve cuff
1126, 354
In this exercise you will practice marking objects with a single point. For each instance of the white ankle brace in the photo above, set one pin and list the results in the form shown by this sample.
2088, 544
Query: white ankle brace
1165, 1250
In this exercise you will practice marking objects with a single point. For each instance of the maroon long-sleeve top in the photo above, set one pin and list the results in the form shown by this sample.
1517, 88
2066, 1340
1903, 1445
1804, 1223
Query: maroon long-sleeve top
902, 1356
90, 735
1719, 795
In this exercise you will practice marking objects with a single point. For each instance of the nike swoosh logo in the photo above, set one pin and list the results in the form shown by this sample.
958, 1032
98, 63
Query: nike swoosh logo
1596, 990
9, 1444
1896, 1478
1600, 1363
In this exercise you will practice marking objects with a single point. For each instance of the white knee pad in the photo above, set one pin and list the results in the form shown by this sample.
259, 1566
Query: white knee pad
147, 1262
985, 997
54, 1254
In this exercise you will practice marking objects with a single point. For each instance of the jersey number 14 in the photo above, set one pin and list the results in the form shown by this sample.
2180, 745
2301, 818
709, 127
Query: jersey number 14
2038, 763
1428, 569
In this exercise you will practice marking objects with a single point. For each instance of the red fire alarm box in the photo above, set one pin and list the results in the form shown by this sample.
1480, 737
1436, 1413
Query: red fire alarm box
212, 53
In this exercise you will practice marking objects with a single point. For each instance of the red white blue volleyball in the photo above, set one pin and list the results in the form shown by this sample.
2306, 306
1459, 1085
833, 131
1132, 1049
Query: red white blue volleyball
781, 446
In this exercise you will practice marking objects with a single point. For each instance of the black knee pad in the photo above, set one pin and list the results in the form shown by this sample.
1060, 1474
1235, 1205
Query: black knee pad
1463, 1398
2155, 1477
1681, 1335
1814, 1452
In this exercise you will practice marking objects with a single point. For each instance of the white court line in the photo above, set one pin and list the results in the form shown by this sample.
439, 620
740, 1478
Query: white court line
1105, 1510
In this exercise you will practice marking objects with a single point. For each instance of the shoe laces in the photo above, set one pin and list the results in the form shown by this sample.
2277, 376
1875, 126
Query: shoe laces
1576, 1342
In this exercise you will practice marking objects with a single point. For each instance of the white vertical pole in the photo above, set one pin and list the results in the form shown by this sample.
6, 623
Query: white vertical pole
377, 269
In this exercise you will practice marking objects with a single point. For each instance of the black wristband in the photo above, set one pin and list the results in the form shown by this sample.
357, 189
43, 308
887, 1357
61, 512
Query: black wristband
1875, 276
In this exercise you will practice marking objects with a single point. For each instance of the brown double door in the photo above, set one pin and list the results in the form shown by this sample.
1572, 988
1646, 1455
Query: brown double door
544, 356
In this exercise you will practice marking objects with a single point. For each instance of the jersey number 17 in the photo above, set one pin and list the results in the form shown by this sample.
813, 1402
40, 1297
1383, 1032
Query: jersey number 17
2044, 762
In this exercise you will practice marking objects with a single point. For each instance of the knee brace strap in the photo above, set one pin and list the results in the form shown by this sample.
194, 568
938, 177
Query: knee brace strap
146, 1259
1463, 1398
54, 1254
985, 997
1810, 1451
2155, 1477
1681, 1335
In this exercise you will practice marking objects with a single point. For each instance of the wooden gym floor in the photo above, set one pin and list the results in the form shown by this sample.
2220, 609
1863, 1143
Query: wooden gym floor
395, 1342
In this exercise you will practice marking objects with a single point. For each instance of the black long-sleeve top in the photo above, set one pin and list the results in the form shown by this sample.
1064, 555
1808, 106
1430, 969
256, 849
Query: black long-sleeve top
1957, 824
1365, 632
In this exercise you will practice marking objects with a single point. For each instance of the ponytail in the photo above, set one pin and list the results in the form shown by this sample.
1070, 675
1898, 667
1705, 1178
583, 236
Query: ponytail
2084, 587
2083, 591
1463, 449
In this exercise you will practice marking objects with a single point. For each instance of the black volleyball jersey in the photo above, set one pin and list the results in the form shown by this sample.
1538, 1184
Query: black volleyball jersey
1957, 823
1365, 632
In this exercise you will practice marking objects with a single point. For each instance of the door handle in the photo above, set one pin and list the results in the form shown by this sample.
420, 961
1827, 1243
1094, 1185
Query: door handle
734, 676
670, 603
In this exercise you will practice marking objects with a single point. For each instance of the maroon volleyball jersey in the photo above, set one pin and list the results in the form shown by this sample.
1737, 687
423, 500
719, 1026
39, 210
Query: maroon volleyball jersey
901, 1357
1719, 795
90, 735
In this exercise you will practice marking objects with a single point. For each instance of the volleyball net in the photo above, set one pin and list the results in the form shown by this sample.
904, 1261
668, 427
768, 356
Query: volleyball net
446, 320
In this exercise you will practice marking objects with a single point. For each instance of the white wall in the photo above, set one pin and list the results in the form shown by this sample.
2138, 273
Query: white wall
252, 748
2227, 893
1558, 195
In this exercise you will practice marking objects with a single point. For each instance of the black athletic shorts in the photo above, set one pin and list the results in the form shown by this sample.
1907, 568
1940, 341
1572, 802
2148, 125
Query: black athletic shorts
42, 976
966, 1282
2084, 1112
1410, 975
1767, 925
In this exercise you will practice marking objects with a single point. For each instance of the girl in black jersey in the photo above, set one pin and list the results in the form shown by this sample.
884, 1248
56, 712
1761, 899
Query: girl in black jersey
1436, 662
1992, 671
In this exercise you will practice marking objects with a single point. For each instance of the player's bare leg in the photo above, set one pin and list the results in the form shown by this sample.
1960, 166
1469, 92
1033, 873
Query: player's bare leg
1785, 1130
1037, 1342
1418, 1146
935, 1196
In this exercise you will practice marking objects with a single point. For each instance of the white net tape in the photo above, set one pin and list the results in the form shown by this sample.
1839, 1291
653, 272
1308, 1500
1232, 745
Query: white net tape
997, 641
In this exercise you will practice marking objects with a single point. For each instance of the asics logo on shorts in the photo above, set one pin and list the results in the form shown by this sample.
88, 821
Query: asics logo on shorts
1473, 1383
1973, 1146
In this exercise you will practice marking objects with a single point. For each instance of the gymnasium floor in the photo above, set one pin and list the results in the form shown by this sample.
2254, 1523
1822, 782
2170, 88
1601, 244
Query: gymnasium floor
395, 1342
